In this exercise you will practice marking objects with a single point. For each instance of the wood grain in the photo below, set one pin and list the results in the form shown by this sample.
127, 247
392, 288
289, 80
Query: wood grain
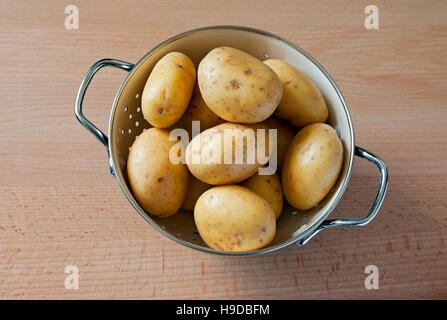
60, 206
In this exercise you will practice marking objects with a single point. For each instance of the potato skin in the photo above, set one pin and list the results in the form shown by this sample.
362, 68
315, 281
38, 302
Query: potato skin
235, 219
158, 185
269, 188
312, 165
168, 90
224, 173
194, 191
199, 111
302, 102
284, 135
237, 86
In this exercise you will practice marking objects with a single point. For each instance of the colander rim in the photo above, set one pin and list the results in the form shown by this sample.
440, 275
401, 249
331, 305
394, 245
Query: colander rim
310, 229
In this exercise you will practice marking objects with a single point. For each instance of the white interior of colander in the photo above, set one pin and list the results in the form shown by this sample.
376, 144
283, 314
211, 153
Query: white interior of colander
127, 122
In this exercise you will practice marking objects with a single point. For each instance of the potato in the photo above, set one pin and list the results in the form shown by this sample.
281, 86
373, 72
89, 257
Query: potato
199, 111
284, 135
168, 90
158, 185
269, 188
237, 86
302, 102
195, 190
213, 161
234, 218
312, 165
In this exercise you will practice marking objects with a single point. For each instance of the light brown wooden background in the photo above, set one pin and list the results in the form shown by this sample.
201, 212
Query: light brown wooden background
60, 206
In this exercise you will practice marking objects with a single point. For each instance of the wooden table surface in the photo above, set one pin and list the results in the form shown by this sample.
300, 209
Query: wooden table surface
60, 206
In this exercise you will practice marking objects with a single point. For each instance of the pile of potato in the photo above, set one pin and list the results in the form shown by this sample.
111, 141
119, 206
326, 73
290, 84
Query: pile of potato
235, 208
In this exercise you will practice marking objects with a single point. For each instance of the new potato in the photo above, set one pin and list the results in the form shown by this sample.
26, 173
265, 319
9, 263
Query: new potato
302, 102
312, 165
199, 111
158, 185
168, 90
234, 218
237, 86
212, 155
269, 188
284, 135
195, 190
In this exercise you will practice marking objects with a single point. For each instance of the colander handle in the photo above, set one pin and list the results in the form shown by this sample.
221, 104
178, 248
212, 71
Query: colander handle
374, 209
81, 93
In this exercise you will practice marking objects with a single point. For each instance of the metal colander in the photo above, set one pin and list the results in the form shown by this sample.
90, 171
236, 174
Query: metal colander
127, 122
